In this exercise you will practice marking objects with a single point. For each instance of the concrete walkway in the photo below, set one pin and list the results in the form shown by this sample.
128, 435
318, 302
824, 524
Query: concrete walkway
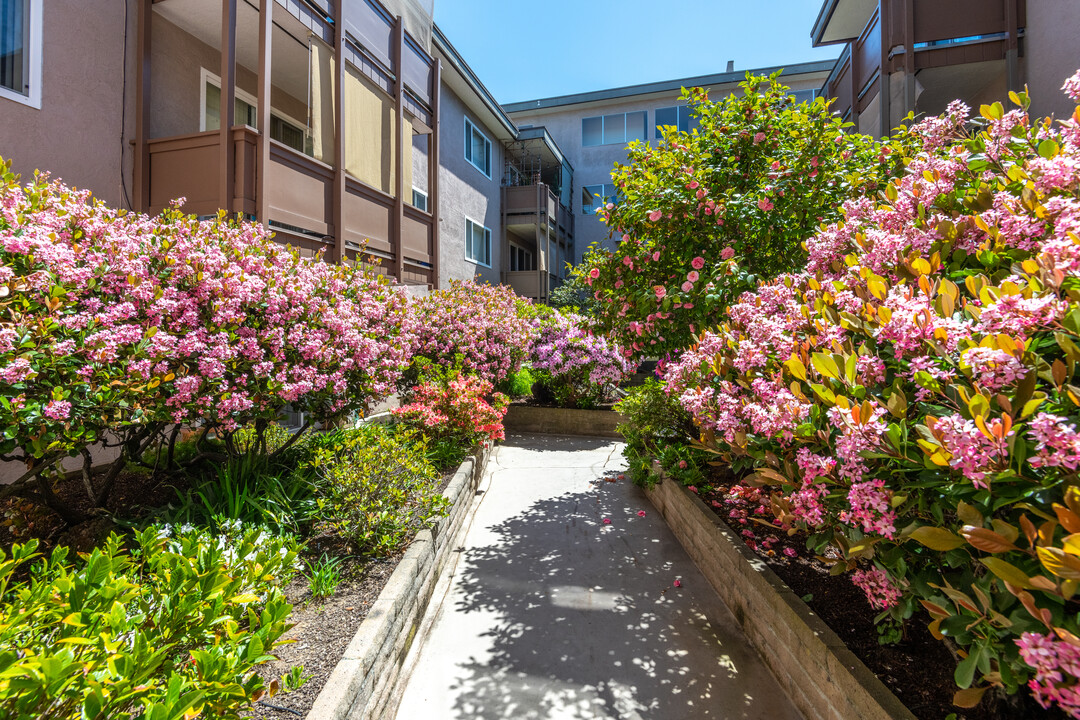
551, 613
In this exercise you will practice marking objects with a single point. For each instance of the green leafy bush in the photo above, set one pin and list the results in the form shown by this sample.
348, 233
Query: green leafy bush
379, 488
655, 424
171, 630
518, 384
702, 214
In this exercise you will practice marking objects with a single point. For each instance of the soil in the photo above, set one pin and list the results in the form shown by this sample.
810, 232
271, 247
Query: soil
323, 629
918, 669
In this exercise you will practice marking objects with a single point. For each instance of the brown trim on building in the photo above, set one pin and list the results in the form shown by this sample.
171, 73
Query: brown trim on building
338, 213
399, 150
433, 171
226, 151
141, 167
266, 34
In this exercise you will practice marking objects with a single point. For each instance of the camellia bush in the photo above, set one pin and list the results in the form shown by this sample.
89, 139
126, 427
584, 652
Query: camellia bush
485, 327
115, 326
170, 630
449, 404
912, 395
755, 179
575, 365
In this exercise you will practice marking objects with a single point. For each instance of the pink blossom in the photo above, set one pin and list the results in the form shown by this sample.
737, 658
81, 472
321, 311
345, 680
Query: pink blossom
58, 410
727, 253
697, 263
655, 215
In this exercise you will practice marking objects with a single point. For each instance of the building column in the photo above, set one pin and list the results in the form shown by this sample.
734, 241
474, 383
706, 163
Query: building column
141, 167
884, 83
338, 212
909, 56
266, 32
227, 170
433, 172
1012, 45
398, 222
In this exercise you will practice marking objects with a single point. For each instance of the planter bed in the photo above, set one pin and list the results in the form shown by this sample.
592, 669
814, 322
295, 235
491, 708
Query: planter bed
364, 681
824, 679
562, 421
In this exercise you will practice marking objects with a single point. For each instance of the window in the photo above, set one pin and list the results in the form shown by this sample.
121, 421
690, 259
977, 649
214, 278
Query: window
477, 243
245, 111
477, 148
521, 260
590, 203
617, 129
678, 116
419, 199
20, 51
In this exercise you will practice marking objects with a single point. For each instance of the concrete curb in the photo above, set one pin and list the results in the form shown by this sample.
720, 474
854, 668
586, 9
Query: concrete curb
562, 421
822, 677
364, 683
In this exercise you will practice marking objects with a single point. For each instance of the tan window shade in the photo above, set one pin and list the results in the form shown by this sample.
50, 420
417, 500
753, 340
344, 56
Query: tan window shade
322, 101
369, 132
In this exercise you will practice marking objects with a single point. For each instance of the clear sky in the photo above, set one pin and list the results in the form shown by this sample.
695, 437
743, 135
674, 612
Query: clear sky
529, 50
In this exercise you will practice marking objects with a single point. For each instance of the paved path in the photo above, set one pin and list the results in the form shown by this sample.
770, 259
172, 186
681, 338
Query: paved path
550, 613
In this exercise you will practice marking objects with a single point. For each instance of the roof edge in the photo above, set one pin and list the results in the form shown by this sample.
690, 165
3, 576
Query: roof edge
661, 86
824, 16
444, 46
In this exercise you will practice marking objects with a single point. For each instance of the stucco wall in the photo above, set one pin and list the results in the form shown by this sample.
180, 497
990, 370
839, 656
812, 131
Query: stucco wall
465, 191
80, 134
593, 165
1052, 53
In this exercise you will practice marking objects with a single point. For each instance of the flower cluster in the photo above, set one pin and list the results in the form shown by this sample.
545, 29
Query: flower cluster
486, 325
912, 394
115, 324
575, 364
456, 407
1054, 660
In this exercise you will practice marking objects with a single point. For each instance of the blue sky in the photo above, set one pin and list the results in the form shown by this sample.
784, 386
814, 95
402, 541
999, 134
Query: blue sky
528, 50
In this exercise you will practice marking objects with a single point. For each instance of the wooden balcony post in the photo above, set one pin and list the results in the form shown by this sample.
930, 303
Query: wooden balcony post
1012, 45
227, 152
884, 76
909, 56
266, 32
433, 172
141, 165
338, 218
398, 222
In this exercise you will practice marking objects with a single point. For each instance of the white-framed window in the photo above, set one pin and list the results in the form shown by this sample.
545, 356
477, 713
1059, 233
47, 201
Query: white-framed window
20, 51
589, 200
616, 129
477, 148
679, 116
284, 129
419, 199
521, 260
477, 243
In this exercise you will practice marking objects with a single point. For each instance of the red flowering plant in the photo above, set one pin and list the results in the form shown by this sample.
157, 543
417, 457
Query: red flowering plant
702, 214
450, 405
912, 399
487, 326
115, 325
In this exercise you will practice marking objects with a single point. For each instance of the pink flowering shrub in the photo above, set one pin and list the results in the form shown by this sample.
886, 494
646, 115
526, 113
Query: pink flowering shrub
488, 326
702, 214
576, 365
912, 395
451, 405
114, 325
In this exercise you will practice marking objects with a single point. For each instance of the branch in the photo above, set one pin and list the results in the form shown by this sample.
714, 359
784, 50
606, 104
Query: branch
289, 443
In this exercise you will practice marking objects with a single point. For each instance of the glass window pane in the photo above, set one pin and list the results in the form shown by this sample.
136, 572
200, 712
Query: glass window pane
213, 106
592, 131
14, 36
635, 126
614, 129
666, 116
589, 202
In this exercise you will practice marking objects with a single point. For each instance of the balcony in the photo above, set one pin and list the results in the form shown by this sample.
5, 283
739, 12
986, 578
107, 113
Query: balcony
320, 151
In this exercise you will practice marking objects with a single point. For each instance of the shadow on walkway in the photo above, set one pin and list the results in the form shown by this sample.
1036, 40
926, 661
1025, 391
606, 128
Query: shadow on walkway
589, 625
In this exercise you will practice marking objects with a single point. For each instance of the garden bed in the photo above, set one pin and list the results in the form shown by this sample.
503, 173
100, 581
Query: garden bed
916, 672
365, 681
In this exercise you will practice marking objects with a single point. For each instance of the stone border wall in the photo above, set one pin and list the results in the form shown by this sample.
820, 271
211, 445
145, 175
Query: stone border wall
562, 421
824, 679
364, 685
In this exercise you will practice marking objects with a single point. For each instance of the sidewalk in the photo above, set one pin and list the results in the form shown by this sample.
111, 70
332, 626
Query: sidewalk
550, 613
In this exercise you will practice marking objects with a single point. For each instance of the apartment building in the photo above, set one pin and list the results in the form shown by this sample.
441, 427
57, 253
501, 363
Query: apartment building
594, 128
902, 56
